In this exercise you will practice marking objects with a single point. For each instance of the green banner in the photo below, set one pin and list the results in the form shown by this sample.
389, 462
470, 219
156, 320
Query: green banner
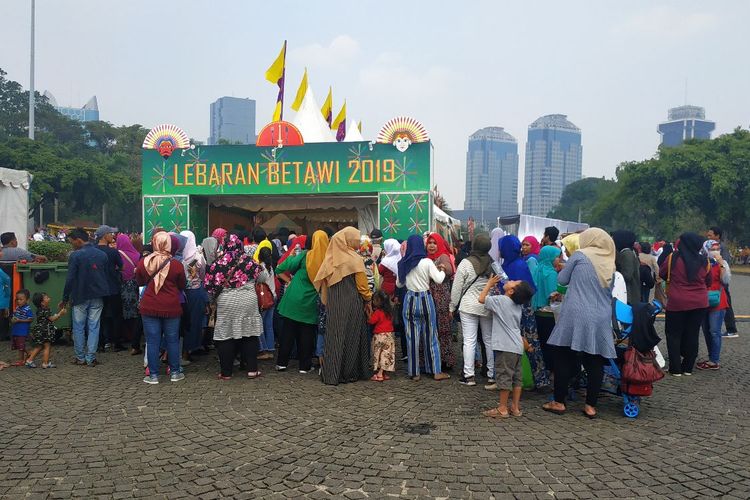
330, 168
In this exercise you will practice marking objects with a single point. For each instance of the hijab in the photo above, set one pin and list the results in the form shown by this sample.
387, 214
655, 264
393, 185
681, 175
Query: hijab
125, 245
708, 246
210, 249
341, 260
175, 244
315, 256
162, 244
415, 252
689, 250
234, 269
295, 243
479, 257
571, 243
495, 237
181, 243
666, 251
261, 245
623, 239
190, 251
535, 247
442, 247
545, 276
599, 248
514, 266
219, 233
392, 250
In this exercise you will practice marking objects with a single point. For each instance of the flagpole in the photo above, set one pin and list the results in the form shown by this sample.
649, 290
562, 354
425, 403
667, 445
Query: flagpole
31, 77
283, 84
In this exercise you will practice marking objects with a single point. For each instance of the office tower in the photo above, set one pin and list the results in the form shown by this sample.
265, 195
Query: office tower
88, 113
553, 160
683, 123
491, 174
232, 119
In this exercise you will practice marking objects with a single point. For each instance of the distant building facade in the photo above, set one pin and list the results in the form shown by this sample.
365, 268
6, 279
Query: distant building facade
685, 122
554, 159
232, 119
88, 113
491, 175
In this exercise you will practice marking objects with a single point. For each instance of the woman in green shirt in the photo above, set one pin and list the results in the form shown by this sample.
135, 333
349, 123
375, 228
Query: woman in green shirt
299, 307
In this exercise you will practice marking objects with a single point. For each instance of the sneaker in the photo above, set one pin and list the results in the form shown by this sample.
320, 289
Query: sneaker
280, 368
467, 381
30, 364
714, 366
107, 347
729, 335
687, 373
49, 365
151, 379
490, 380
305, 372
676, 374
176, 377
490, 387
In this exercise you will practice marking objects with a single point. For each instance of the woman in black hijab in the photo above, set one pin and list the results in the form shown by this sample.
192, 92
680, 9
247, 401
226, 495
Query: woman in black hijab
687, 275
627, 263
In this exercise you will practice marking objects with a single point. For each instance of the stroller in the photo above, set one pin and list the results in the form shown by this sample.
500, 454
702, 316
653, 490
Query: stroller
622, 325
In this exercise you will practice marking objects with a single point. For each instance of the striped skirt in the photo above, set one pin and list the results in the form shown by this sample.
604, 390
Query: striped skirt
346, 343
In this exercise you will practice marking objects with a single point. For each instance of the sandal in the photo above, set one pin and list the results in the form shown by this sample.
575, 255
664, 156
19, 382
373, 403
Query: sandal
222, 377
441, 376
550, 408
253, 374
495, 413
376, 378
516, 413
386, 377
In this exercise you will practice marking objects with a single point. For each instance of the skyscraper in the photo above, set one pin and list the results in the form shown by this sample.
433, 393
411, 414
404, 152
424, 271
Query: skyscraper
685, 122
88, 113
232, 119
553, 160
491, 174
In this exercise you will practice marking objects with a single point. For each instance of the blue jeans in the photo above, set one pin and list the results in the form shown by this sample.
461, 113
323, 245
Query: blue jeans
712, 333
154, 328
267, 340
196, 310
86, 314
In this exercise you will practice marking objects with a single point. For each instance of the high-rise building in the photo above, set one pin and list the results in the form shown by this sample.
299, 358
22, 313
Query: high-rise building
232, 119
491, 175
553, 160
683, 123
88, 113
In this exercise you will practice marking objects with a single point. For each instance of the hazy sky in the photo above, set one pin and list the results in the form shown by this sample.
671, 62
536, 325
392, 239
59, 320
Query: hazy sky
613, 67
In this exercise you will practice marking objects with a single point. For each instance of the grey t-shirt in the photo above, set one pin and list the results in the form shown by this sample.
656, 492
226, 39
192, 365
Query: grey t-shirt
506, 324
14, 254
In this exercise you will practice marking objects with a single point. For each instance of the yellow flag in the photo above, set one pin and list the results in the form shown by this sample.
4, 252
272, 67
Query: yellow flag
276, 71
327, 108
277, 112
301, 91
339, 117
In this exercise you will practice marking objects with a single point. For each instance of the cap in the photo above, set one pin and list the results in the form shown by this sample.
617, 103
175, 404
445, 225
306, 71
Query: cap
376, 234
99, 234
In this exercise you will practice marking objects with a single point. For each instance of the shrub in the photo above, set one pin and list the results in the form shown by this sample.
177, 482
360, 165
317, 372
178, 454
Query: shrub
55, 251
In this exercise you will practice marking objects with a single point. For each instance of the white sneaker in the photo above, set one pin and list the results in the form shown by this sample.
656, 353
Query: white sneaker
280, 368
176, 377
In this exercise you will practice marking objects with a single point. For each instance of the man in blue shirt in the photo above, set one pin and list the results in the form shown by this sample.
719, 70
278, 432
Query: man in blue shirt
85, 286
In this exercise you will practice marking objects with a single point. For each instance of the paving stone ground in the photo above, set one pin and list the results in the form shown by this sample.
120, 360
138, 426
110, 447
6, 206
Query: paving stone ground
102, 433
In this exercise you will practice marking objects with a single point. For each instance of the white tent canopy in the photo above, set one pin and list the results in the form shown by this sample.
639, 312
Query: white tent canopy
529, 225
444, 217
353, 134
14, 203
310, 122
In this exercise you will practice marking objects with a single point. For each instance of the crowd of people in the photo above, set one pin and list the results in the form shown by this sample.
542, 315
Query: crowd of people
336, 303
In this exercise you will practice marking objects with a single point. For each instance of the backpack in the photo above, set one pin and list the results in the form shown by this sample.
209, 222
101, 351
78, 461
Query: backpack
647, 276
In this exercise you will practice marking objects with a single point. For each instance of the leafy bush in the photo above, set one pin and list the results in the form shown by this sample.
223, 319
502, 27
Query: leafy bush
55, 251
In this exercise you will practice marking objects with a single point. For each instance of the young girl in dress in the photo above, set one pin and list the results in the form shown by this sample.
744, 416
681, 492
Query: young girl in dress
43, 331
383, 347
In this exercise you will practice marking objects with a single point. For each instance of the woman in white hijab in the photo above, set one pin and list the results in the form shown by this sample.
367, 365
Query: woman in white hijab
495, 236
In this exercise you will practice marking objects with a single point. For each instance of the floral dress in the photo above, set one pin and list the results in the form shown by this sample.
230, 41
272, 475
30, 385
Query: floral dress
441, 295
536, 359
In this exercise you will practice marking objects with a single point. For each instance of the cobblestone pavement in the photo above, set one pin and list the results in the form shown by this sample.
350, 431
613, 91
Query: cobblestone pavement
101, 432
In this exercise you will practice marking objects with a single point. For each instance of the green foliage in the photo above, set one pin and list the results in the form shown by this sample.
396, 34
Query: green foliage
580, 197
82, 165
684, 188
55, 251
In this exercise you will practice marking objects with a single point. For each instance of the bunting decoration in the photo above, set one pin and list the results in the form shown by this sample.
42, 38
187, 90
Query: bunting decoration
339, 124
275, 74
327, 108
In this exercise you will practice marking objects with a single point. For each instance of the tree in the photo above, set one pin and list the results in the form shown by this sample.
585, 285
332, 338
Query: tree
579, 198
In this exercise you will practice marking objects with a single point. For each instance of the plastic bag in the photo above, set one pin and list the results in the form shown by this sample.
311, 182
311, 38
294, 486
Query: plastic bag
659, 357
